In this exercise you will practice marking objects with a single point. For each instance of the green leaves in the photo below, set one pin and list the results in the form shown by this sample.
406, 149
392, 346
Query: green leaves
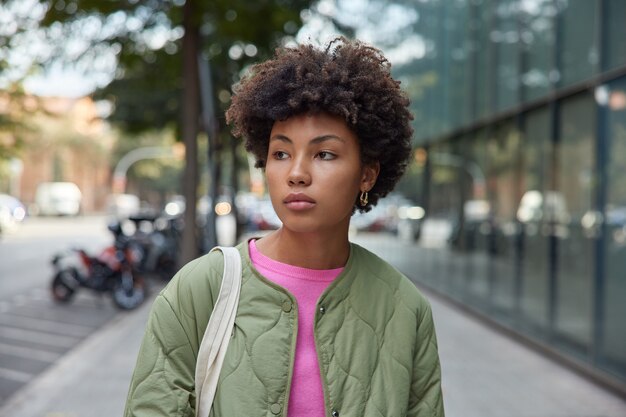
145, 37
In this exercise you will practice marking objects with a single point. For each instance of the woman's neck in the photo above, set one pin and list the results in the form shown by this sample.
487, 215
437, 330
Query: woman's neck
306, 250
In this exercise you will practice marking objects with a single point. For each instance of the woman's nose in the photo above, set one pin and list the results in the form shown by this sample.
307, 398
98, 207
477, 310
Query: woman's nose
299, 174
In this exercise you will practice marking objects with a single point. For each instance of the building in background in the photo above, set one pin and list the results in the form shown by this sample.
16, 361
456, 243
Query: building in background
63, 140
520, 126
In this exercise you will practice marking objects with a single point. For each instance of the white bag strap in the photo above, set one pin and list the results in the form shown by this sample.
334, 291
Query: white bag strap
218, 332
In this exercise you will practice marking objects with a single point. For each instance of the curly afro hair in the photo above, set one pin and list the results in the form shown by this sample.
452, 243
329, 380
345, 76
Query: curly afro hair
347, 79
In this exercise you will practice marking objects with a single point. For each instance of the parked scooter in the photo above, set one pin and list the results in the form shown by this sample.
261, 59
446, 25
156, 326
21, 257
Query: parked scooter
112, 271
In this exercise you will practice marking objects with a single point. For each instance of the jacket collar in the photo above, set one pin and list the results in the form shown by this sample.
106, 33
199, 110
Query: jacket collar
337, 291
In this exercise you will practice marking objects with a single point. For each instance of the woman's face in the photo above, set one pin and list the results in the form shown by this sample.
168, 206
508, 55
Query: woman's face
314, 173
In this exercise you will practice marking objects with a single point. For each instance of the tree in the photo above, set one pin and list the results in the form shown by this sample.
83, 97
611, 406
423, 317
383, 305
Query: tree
12, 123
158, 44
18, 20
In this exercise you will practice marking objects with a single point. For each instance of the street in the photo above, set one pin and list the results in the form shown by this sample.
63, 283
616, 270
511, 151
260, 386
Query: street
25, 253
34, 331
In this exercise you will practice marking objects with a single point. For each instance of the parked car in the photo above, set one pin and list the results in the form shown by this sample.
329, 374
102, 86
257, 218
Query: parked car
264, 217
404, 216
58, 199
374, 220
12, 212
478, 223
410, 218
394, 214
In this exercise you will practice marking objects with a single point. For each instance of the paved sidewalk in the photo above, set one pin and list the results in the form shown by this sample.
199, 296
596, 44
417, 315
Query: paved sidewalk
92, 380
485, 374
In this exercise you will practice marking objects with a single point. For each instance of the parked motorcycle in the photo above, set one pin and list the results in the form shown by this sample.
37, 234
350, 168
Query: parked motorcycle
158, 238
112, 271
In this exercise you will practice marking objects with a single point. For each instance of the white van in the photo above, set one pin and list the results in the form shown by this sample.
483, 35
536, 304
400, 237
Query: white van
58, 199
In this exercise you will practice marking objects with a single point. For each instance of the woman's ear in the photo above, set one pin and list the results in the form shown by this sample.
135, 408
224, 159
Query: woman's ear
369, 175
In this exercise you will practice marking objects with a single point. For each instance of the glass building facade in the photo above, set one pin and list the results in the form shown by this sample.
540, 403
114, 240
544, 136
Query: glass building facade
520, 120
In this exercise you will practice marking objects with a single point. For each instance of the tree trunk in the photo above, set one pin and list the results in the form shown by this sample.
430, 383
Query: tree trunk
190, 127
234, 180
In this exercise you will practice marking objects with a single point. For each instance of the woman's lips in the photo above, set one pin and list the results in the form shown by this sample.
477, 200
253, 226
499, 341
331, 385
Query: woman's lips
299, 201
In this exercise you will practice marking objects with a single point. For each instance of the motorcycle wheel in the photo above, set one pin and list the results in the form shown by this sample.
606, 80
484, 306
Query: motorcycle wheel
62, 291
128, 292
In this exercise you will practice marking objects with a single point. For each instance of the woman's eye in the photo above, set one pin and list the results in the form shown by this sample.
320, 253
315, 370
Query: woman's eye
280, 155
326, 156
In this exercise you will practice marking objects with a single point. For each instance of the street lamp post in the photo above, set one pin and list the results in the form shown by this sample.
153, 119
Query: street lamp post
150, 152
472, 168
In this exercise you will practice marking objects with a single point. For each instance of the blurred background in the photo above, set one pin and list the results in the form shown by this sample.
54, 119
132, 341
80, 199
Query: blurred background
513, 209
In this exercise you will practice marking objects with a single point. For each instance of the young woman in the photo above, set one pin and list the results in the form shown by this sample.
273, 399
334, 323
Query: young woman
323, 327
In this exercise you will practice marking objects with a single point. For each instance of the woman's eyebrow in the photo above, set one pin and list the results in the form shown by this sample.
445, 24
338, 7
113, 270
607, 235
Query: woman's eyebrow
323, 138
282, 138
315, 140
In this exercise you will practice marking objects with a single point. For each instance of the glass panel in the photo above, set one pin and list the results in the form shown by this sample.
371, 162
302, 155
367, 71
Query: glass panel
444, 199
506, 38
614, 334
502, 193
433, 25
616, 33
538, 39
566, 208
471, 234
483, 48
534, 245
445, 196
578, 55
459, 81
458, 265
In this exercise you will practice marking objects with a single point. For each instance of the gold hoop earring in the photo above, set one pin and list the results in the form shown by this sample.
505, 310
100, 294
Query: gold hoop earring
363, 198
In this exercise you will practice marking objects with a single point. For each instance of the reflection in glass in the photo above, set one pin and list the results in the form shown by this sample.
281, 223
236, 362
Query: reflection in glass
506, 38
534, 246
483, 51
538, 39
616, 33
574, 177
502, 180
444, 200
459, 82
579, 54
614, 334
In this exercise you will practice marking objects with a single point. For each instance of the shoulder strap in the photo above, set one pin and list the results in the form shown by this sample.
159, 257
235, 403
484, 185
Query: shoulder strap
218, 332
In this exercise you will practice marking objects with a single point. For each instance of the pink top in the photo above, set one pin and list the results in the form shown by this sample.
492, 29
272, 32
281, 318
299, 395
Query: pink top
306, 397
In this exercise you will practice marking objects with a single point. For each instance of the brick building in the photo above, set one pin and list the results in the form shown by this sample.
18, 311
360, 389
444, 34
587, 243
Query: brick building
63, 139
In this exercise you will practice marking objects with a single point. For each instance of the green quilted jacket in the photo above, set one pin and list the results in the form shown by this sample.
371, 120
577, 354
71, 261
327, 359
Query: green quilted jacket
374, 334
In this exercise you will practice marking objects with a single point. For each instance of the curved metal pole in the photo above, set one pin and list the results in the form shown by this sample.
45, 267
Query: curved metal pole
471, 167
150, 152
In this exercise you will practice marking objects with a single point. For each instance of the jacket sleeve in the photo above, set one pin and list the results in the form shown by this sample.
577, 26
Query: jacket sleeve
163, 380
426, 398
